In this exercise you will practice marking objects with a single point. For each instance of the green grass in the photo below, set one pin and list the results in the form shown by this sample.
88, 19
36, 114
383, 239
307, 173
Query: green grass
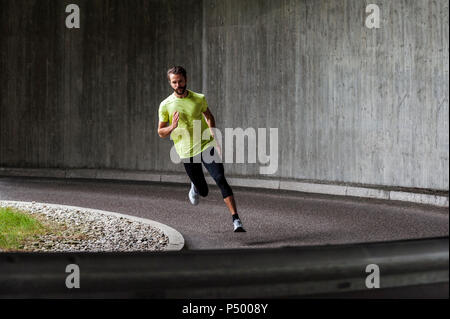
17, 227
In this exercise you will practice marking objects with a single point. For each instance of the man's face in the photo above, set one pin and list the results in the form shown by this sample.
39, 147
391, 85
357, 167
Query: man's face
178, 83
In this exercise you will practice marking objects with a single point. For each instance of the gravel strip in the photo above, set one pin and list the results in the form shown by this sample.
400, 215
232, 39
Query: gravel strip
87, 231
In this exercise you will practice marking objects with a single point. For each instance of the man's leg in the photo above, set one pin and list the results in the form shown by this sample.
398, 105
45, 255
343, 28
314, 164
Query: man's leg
195, 173
231, 204
216, 170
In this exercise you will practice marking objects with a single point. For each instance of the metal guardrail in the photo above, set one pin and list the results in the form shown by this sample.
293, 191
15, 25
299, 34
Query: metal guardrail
245, 273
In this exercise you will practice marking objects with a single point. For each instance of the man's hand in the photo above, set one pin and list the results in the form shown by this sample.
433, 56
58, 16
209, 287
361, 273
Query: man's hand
164, 130
175, 118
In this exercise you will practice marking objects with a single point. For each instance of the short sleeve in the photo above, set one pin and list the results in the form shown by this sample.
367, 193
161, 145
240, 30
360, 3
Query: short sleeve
163, 114
204, 105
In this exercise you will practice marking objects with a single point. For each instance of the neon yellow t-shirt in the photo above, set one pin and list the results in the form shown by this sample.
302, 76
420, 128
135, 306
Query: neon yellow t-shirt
187, 137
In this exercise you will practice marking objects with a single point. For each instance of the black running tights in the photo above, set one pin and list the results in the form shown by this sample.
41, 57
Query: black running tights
215, 168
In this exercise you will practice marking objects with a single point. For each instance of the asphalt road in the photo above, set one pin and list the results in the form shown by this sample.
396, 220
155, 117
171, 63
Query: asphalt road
272, 218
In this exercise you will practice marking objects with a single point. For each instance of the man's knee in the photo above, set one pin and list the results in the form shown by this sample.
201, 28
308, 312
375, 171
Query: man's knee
222, 181
224, 186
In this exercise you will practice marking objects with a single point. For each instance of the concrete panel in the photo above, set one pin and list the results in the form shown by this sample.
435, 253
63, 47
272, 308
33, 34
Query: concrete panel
249, 182
32, 172
128, 175
313, 188
420, 198
81, 173
88, 97
367, 192
175, 178
352, 104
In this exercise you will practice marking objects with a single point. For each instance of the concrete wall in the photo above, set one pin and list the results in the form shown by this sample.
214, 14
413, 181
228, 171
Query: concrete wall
353, 105
88, 97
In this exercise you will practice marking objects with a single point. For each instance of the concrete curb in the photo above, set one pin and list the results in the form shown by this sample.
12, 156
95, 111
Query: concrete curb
176, 240
328, 189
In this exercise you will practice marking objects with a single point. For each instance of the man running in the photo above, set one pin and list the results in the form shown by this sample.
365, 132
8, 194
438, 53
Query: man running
179, 111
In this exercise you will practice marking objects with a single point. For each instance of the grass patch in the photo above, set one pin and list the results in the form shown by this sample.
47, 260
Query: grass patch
29, 231
17, 227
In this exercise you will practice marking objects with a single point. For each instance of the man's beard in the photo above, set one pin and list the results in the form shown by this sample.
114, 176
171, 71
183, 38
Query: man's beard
182, 89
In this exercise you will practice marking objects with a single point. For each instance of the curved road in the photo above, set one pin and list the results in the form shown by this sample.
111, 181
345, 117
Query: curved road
272, 218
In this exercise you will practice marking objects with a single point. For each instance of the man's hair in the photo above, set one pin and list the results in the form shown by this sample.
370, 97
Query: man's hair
176, 70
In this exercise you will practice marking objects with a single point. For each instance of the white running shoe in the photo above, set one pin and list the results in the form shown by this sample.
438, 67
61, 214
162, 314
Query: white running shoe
193, 195
238, 228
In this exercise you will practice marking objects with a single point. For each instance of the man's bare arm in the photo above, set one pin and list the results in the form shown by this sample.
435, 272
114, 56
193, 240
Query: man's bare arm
164, 130
212, 124
209, 117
